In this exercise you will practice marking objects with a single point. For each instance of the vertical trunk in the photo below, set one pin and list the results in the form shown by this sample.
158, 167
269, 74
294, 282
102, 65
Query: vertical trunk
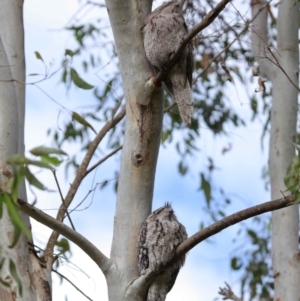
141, 142
12, 35
285, 222
35, 283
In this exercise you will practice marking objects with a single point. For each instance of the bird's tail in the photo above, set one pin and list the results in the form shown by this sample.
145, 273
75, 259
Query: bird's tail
183, 97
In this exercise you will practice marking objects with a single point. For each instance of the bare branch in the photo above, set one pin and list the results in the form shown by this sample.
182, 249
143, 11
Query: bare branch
103, 262
103, 159
232, 220
62, 199
276, 62
213, 229
75, 286
230, 44
228, 293
209, 18
78, 179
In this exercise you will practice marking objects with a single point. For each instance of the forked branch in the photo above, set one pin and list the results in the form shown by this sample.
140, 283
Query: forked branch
228, 293
81, 173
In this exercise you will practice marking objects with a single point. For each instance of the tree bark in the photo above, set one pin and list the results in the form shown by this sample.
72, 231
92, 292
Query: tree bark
141, 142
35, 280
285, 222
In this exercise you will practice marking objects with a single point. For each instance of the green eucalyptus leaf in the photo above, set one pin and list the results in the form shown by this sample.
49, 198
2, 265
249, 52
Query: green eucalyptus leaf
69, 52
14, 274
81, 120
16, 220
43, 150
236, 263
33, 180
1, 206
79, 82
63, 245
206, 187
51, 160
17, 180
38, 56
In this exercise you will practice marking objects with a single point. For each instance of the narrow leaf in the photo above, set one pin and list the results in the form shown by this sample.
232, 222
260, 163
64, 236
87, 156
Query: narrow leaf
43, 150
79, 82
1, 206
38, 56
16, 220
81, 120
14, 274
51, 160
33, 180
206, 187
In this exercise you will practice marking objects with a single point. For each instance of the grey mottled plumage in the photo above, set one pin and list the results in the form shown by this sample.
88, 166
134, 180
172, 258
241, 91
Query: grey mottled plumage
163, 31
159, 237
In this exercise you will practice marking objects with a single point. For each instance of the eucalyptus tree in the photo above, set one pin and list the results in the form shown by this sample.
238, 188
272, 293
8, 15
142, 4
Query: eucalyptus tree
27, 276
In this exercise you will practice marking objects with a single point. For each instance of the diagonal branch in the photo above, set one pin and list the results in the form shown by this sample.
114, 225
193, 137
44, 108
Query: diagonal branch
208, 19
232, 220
143, 281
81, 173
62, 199
247, 25
103, 262
103, 159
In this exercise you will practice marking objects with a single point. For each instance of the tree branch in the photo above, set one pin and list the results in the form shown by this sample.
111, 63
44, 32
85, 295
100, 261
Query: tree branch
247, 24
228, 293
103, 159
276, 62
62, 199
103, 262
208, 19
144, 280
75, 286
81, 173
232, 220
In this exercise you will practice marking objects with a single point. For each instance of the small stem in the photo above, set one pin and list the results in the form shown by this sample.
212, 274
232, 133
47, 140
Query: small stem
62, 199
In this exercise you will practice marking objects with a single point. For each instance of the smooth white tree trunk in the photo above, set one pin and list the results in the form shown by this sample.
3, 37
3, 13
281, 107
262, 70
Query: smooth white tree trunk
36, 281
285, 222
141, 143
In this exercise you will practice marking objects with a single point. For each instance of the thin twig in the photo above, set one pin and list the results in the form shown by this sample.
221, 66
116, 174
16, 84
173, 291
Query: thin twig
167, 109
208, 19
228, 293
230, 44
279, 66
78, 179
277, 62
62, 199
103, 159
103, 262
75, 286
